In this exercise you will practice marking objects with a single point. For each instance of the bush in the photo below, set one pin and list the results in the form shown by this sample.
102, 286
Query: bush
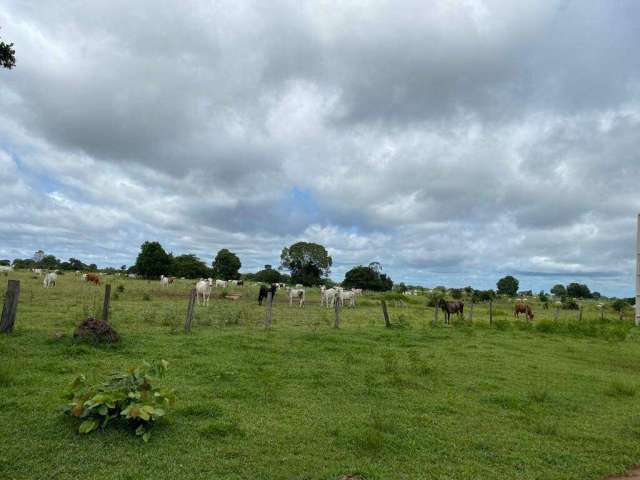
120, 288
570, 304
133, 396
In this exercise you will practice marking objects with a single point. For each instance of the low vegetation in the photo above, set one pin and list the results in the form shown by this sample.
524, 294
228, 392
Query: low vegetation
507, 399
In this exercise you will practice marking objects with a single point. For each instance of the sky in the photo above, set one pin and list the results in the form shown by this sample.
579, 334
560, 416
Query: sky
454, 142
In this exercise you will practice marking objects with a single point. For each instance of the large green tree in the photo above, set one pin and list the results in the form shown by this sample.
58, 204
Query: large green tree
189, 266
153, 261
508, 285
367, 278
559, 290
226, 265
578, 290
7, 55
268, 275
308, 263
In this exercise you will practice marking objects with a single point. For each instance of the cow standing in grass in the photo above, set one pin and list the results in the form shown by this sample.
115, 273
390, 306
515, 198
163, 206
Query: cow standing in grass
523, 308
454, 306
203, 289
264, 292
50, 280
92, 278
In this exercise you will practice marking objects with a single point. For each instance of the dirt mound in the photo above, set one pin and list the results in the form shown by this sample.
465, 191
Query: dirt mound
96, 331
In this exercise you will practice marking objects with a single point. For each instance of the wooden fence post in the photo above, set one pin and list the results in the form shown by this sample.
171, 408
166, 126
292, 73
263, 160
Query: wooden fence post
105, 304
337, 305
268, 319
580, 313
490, 312
10, 308
187, 321
385, 313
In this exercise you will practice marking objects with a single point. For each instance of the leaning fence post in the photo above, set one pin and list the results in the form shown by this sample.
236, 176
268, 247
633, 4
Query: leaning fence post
490, 312
268, 319
10, 308
580, 313
385, 313
337, 305
187, 321
105, 304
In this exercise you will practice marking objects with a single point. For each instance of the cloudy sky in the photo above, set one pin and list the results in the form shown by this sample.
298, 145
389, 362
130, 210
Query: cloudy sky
452, 141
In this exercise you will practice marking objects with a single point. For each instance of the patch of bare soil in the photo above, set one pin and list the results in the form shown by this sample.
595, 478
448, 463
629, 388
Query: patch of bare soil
634, 474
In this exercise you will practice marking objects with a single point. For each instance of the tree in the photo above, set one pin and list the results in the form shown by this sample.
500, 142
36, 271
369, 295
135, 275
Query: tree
367, 278
307, 262
26, 264
558, 290
49, 262
508, 285
38, 256
578, 290
189, 266
268, 275
77, 264
153, 261
7, 55
226, 265
5, 263
456, 293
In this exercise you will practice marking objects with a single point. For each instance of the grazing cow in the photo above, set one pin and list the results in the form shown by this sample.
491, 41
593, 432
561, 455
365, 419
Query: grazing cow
221, 283
455, 306
264, 292
6, 268
203, 288
164, 281
297, 293
523, 308
50, 280
233, 283
357, 291
92, 278
37, 271
240, 283
132, 275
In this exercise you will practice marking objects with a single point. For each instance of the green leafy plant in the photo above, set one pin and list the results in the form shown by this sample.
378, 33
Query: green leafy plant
134, 396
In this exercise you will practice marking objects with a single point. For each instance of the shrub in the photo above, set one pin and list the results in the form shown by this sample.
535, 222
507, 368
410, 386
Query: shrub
570, 304
146, 297
133, 396
120, 288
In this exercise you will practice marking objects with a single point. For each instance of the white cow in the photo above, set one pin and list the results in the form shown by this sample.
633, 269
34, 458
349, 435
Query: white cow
37, 271
297, 293
164, 281
299, 285
132, 275
357, 291
348, 296
328, 297
203, 287
6, 268
221, 283
232, 282
50, 280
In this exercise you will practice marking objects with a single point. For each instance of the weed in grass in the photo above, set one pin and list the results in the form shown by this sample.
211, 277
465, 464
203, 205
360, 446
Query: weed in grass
390, 362
201, 410
546, 428
146, 297
538, 395
419, 366
7, 378
220, 428
501, 324
148, 315
120, 288
620, 389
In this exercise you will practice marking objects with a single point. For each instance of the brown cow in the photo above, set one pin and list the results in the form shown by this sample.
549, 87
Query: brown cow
93, 278
523, 308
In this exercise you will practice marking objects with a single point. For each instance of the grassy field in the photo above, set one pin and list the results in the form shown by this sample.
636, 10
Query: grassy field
541, 400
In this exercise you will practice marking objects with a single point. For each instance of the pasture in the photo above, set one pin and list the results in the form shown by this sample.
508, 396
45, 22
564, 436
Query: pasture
517, 399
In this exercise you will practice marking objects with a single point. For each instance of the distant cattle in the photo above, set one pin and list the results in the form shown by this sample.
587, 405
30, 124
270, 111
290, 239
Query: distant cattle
37, 271
6, 268
523, 308
455, 306
221, 283
348, 296
164, 281
50, 280
92, 278
264, 292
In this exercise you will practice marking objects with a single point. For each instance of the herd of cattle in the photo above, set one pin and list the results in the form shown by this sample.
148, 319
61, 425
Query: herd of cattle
328, 296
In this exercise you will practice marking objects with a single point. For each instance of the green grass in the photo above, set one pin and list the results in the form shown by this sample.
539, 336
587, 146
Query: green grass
548, 400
